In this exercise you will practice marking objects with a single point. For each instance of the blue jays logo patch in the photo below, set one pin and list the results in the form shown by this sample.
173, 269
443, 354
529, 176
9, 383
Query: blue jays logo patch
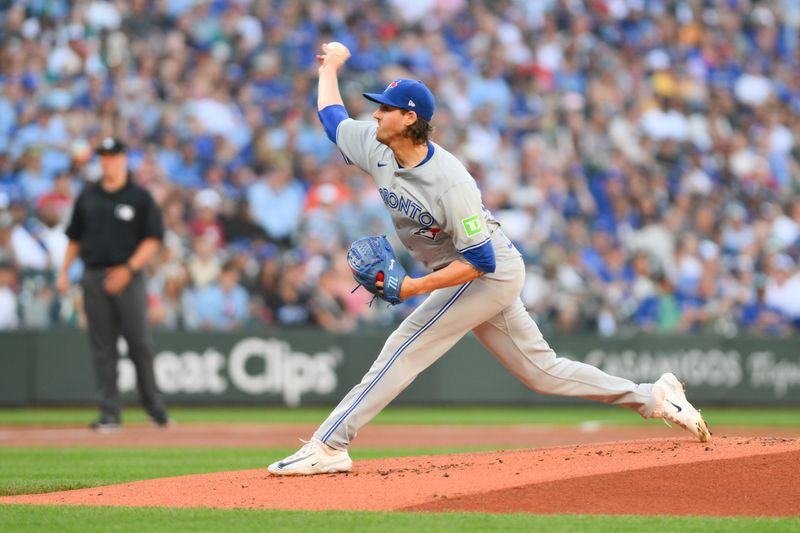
428, 232
392, 85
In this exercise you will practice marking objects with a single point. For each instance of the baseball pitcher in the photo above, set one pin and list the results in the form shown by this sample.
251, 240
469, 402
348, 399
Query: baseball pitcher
475, 283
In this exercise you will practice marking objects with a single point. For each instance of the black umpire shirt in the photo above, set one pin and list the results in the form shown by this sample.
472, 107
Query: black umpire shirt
109, 226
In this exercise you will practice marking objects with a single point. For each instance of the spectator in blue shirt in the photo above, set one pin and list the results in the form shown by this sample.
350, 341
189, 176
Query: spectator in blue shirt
32, 177
188, 173
223, 305
276, 202
757, 317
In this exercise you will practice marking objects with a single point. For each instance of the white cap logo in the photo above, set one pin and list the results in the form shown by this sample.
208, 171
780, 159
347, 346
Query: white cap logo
411, 103
108, 142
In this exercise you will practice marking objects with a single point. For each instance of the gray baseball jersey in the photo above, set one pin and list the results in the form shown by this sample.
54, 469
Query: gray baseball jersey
436, 207
437, 212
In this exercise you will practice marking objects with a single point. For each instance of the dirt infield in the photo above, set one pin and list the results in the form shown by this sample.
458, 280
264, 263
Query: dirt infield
731, 476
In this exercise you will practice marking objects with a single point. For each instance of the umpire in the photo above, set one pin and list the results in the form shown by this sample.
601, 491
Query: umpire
116, 228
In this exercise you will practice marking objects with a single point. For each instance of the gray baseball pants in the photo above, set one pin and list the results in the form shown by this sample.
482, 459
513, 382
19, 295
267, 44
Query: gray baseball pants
490, 307
108, 317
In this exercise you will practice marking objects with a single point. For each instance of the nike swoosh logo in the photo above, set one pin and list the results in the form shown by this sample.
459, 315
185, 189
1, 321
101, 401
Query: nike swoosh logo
382, 164
678, 407
287, 463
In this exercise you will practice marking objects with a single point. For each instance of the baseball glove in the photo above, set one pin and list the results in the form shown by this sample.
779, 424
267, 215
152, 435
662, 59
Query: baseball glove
372, 259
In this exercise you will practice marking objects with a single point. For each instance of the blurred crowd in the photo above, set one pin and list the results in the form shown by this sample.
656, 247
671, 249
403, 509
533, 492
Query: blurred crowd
641, 154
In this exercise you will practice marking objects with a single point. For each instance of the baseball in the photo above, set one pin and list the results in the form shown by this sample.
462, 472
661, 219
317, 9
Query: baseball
338, 49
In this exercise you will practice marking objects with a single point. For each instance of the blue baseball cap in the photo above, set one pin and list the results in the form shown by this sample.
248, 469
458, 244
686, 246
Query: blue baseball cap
411, 95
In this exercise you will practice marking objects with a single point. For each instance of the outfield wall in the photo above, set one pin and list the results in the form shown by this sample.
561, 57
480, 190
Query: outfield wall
306, 366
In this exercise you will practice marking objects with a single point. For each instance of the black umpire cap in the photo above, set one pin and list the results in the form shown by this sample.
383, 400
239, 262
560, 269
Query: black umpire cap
111, 146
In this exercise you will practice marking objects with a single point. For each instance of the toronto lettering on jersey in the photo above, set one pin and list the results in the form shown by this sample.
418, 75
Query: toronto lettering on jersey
408, 207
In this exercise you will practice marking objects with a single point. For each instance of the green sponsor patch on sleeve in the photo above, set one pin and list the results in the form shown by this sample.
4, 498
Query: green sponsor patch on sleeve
472, 225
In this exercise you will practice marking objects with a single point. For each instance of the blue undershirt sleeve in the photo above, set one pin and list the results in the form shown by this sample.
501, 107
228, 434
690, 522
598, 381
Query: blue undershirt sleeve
482, 257
331, 116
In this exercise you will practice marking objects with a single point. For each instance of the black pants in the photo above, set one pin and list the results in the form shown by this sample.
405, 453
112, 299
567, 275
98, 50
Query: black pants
109, 316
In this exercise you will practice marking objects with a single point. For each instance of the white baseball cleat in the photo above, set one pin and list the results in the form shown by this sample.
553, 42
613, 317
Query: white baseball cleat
672, 406
313, 458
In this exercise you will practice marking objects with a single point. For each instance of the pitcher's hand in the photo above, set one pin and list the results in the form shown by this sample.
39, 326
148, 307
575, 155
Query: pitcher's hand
333, 54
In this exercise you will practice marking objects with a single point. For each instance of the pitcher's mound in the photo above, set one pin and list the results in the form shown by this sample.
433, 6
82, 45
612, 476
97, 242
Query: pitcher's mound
727, 477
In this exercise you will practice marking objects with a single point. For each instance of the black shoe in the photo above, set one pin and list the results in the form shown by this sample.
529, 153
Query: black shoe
162, 420
106, 424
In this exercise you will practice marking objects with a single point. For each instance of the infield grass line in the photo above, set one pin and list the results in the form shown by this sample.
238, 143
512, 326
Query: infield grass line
37, 470
80, 519
451, 415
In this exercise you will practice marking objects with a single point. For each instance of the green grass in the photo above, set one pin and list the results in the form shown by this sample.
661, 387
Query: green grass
80, 519
717, 416
51, 469
35, 470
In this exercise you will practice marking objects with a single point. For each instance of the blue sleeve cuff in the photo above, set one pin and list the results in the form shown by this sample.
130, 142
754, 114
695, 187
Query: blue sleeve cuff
331, 116
481, 257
